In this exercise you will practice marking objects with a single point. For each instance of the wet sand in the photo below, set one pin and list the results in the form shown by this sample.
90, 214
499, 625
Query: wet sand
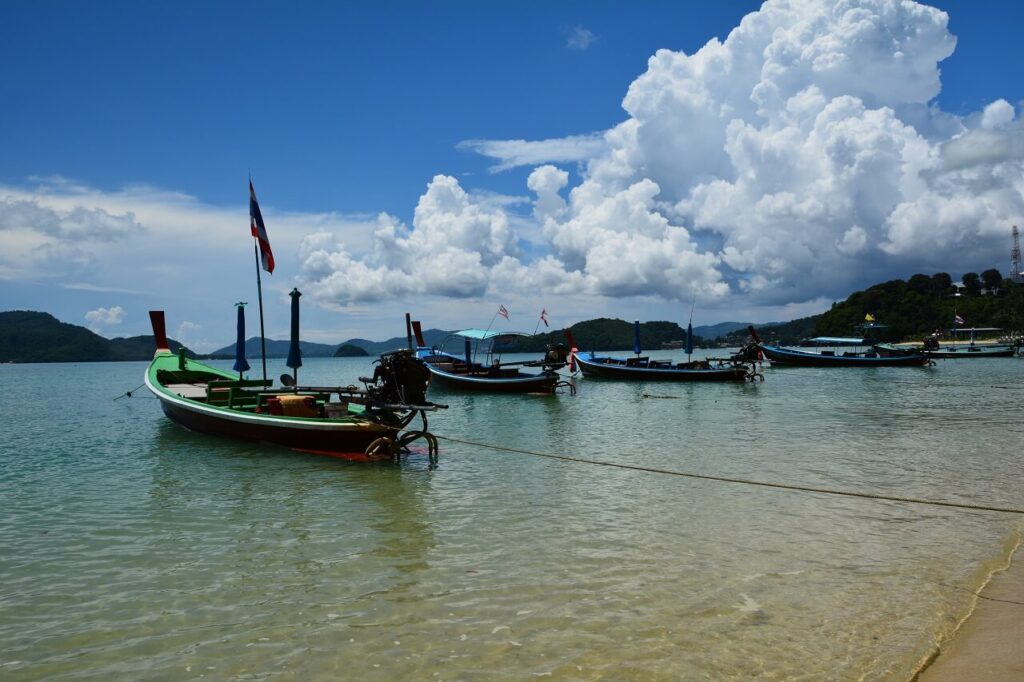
989, 647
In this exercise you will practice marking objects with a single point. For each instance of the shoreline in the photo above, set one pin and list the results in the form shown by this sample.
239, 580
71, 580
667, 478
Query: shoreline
987, 643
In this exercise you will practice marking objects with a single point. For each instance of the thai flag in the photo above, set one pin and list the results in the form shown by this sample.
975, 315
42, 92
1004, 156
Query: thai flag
544, 316
958, 319
259, 231
503, 311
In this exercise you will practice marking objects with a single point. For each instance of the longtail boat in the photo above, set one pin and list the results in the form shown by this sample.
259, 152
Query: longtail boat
828, 353
739, 367
646, 369
933, 348
348, 422
833, 358
477, 365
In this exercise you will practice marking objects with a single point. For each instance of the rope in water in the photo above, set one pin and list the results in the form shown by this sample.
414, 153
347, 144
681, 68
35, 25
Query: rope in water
128, 394
743, 481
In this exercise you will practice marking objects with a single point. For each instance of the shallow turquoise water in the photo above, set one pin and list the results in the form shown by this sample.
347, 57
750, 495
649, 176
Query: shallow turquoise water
132, 549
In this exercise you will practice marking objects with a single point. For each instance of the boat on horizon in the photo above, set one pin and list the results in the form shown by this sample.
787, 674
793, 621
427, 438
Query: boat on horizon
347, 422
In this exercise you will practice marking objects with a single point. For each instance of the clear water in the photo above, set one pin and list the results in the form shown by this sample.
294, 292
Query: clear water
132, 549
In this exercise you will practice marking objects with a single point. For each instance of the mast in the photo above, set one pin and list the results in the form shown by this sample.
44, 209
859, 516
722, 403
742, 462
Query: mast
261, 246
259, 294
1016, 269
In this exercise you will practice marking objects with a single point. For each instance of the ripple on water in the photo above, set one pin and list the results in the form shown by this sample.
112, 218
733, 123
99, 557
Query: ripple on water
134, 549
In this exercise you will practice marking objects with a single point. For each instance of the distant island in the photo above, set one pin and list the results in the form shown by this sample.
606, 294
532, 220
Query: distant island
910, 309
347, 350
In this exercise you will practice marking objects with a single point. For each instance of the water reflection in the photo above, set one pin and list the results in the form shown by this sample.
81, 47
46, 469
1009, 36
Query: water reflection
290, 511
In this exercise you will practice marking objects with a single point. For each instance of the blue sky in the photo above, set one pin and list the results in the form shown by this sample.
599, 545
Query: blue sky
445, 158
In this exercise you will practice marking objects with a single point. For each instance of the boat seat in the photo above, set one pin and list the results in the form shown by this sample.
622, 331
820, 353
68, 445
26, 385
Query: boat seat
239, 397
637, 362
191, 391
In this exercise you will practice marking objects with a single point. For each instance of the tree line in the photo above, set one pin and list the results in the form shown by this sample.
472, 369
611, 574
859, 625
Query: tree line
912, 309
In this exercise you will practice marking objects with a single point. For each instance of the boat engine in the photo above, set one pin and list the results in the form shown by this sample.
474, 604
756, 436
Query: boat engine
557, 354
400, 378
750, 353
749, 356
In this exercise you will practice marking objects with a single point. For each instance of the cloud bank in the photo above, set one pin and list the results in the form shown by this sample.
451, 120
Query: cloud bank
796, 160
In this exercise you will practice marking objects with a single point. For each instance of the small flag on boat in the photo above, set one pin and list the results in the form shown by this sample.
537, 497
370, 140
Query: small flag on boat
869, 318
544, 316
259, 231
503, 311
958, 319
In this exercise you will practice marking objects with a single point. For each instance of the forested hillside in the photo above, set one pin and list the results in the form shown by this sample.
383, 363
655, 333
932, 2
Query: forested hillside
29, 336
610, 334
913, 308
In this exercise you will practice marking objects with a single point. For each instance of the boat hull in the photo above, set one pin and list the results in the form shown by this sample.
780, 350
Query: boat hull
950, 352
605, 368
337, 440
799, 358
975, 352
539, 383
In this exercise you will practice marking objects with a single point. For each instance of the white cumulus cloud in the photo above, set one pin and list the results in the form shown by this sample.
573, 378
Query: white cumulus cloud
800, 158
104, 317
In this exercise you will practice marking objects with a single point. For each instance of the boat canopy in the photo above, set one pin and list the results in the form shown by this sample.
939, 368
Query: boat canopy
483, 335
960, 330
838, 341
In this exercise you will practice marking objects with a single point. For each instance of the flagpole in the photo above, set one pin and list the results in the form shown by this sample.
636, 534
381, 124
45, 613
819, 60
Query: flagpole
485, 334
689, 329
259, 292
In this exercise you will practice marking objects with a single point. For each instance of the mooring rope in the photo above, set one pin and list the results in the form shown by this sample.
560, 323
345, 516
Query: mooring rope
128, 394
743, 481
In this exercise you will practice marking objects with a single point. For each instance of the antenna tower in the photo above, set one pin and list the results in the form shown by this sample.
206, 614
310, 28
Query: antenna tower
1016, 269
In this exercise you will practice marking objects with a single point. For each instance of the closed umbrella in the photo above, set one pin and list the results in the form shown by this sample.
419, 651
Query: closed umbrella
294, 353
241, 364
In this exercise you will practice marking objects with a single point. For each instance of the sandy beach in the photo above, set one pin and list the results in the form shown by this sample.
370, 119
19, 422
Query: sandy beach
990, 643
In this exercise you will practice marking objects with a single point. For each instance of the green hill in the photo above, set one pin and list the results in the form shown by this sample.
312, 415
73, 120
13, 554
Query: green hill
432, 337
610, 334
910, 309
277, 349
29, 336
347, 350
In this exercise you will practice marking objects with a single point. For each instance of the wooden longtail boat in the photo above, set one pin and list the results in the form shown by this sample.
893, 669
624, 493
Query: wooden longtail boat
740, 367
951, 352
479, 367
933, 348
347, 422
836, 358
831, 358
645, 369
